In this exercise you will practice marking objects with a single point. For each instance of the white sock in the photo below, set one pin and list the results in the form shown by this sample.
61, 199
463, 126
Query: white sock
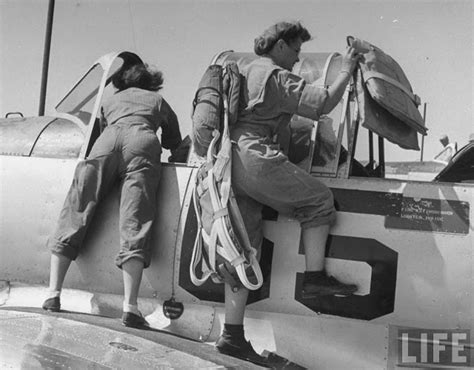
133, 308
54, 293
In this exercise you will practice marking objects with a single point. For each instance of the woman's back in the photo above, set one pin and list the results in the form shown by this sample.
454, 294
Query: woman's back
134, 105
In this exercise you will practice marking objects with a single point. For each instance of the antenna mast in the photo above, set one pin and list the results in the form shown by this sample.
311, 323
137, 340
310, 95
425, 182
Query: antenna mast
47, 47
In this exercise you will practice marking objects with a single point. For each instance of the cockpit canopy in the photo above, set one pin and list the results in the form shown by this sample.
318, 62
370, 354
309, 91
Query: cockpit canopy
70, 132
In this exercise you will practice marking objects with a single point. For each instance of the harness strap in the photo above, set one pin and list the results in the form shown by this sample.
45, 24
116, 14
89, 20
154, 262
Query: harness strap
372, 74
220, 213
212, 245
237, 261
197, 254
195, 100
207, 166
223, 158
214, 176
201, 187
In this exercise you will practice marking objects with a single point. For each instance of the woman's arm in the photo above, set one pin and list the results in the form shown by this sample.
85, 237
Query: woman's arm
336, 90
170, 133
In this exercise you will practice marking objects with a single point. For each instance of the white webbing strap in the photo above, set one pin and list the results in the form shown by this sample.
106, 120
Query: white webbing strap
218, 183
196, 256
237, 261
220, 213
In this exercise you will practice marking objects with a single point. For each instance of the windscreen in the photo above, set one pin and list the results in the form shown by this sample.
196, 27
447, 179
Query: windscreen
80, 100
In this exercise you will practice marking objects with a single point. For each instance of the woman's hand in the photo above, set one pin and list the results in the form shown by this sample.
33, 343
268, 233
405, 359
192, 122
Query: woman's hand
349, 60
336, 90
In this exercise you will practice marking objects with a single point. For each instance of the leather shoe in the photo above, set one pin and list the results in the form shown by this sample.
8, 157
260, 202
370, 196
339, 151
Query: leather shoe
243, 351
325, 285
52, 304
134, 321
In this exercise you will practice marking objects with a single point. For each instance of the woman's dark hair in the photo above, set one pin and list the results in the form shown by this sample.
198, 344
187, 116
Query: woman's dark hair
138, 75
286, 31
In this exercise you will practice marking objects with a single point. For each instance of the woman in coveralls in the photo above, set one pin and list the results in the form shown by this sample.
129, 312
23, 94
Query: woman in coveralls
128, 150
263, 175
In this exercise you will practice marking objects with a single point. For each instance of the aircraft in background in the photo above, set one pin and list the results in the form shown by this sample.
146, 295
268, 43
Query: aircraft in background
407, 244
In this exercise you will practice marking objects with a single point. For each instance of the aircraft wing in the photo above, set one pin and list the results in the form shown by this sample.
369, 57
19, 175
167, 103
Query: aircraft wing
31, 338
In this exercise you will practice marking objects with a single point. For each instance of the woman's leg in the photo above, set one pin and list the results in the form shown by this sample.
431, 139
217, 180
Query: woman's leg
314, 242
91, 180
316, 282
137, 214
272, 180
132, 271
58, 269
137, 211
232, 340
235, 305
251, 212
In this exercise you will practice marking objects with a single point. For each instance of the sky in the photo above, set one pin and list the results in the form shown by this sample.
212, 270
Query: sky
431, 40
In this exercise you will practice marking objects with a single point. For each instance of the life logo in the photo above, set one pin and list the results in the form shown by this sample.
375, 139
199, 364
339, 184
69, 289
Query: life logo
434, 347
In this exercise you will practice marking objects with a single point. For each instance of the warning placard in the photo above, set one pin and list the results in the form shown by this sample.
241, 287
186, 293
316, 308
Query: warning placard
448, 216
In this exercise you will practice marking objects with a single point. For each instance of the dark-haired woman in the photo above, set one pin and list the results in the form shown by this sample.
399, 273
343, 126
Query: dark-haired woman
128, 151
263, 175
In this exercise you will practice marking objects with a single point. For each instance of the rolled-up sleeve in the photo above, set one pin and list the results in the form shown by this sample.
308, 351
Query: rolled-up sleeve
170, 133
312, 101
298, 97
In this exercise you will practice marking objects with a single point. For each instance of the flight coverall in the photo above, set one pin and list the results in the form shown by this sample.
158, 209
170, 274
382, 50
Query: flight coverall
127, 150
261, 172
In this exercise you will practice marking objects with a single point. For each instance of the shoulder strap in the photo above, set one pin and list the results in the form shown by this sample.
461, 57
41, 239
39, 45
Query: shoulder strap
231, 88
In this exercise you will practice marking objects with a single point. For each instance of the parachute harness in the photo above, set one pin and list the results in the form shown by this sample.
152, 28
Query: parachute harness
222, 245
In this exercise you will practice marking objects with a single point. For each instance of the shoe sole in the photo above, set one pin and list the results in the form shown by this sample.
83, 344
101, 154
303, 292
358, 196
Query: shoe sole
262, 362
52, 309
131, 326
325, 294
136, 326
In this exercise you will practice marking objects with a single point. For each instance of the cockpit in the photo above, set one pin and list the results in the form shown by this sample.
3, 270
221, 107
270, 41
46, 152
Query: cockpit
326, 147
